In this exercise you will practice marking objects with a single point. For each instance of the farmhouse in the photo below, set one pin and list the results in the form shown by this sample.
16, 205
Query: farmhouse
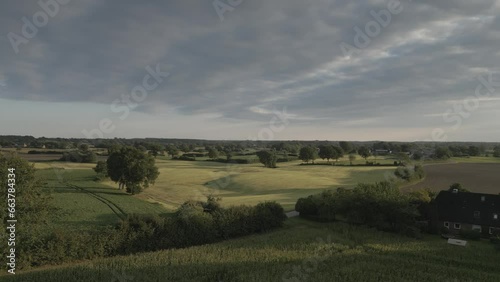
467, 211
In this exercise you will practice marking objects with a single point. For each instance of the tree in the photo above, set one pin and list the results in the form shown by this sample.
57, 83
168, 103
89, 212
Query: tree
473, 151
213, 153
339, 153
132, 169
417, 156
346, 146
402, 158
443, 153
327, 152
155, 149
229, 156
496, 152
364, 152
172, 151
84, 147
101, 168
352, 157
32, 202
268, 158
308, 153
458, 187
184, 148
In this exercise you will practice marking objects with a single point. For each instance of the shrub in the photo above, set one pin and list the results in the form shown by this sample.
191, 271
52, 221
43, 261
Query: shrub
79, 157
234, 221
36, 152
470, 234
307, 207
268, 215
183, 158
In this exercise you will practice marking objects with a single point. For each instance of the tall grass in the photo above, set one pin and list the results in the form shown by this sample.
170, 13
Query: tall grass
302, 251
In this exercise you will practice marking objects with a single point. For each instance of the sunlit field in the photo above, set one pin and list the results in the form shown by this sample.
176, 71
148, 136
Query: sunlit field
250, 183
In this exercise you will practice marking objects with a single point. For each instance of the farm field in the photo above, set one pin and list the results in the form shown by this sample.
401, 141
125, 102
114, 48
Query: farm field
476, 177
301, 251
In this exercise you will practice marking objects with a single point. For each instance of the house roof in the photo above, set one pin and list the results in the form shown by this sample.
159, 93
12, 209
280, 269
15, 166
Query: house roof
463, 207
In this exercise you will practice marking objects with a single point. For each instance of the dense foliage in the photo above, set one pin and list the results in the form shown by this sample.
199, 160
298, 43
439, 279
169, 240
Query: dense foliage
132, 169
194, 223
380, 205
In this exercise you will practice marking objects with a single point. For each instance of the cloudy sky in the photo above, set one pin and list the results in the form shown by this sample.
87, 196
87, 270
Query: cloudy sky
276, 69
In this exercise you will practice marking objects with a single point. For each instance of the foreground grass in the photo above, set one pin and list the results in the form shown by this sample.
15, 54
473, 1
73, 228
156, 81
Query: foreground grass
301, 251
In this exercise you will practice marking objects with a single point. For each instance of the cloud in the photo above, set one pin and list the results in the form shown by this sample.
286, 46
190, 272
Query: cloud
264, 55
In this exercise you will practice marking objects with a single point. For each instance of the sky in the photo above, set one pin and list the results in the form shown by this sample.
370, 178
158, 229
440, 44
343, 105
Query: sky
390, 70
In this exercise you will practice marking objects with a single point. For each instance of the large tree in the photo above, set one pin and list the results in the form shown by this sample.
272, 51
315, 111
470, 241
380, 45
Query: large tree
172, 151
364, 152
339, 153
132, 169
346, 146
17, 178
327, 152
213, 153
268, 158
443, 153
308, 153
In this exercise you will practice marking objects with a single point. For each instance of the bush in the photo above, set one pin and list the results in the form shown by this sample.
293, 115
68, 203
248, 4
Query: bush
268, 216
183, 158
194, 223
234, 221
79, 157
307, 207
35, 152
470, 234
379, 205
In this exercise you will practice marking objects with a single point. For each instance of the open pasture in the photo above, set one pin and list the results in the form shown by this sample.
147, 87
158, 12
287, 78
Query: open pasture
250, 183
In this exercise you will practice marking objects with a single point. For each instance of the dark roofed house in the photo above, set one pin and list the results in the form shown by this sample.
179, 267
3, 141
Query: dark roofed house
468, 211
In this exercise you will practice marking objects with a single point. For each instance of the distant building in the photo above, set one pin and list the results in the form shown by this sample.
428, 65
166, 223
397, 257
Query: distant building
468, 211
382, 152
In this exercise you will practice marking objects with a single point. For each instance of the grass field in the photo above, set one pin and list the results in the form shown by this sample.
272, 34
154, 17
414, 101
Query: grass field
476, 177
302, 251
250, 183
83, 203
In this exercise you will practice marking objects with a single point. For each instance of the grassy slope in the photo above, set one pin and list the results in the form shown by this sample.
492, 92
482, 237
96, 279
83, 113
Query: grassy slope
79, 209
303, 250
251, 183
